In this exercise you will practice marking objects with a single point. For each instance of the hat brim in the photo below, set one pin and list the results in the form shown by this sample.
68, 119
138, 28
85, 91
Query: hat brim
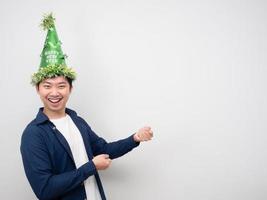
52, 71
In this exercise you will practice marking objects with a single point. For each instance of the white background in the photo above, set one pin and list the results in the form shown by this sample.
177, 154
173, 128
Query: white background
193, 70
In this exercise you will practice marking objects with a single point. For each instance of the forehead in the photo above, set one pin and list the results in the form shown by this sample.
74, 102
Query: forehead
55, 80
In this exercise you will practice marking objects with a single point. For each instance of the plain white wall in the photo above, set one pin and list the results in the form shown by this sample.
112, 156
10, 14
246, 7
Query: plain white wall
193, 70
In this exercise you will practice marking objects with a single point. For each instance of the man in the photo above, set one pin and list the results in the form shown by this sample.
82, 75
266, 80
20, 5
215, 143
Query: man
60, 152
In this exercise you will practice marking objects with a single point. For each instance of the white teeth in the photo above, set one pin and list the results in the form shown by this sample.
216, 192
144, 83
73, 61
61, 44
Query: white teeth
54, 100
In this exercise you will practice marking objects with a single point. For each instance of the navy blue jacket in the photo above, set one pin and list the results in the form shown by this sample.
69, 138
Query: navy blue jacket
49, 164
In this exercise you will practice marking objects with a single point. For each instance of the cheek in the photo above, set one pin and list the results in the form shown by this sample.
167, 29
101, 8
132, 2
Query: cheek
43, 97
66, 93
42, 94
67, 96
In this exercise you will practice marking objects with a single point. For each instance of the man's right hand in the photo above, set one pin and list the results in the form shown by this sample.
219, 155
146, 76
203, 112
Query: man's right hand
102, 161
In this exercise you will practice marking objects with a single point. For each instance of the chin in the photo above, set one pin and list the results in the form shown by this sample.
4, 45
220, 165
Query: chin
56, 108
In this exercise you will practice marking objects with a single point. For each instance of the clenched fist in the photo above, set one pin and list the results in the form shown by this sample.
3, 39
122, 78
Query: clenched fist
143, 134
102, 161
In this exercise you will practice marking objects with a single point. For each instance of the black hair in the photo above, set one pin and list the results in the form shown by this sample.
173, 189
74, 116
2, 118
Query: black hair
67, 78
69, 81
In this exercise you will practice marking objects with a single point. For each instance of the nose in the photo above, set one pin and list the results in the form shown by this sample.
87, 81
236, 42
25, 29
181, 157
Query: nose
54, 91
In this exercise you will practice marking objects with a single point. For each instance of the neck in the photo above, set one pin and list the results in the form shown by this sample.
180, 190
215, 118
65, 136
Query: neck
54, 114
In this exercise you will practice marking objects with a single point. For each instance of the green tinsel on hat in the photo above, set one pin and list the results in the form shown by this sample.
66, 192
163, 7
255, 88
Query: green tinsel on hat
52, 58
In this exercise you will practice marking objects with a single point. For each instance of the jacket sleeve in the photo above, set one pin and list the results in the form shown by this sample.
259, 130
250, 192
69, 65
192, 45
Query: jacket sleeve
38, 168
114, 149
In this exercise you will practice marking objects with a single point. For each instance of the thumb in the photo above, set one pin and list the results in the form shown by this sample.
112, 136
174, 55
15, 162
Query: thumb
106, 156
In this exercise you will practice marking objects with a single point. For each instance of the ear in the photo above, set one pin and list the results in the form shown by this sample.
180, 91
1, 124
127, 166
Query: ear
71, 88
37, 88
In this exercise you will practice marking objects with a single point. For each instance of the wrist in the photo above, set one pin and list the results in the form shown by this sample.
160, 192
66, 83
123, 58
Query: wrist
136, 138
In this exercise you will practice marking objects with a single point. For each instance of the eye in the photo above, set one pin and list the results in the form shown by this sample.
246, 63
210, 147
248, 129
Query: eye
61, 86
46, 86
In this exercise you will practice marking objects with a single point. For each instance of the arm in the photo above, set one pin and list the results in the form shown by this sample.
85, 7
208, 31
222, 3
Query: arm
39, 170
120, 147
113, 149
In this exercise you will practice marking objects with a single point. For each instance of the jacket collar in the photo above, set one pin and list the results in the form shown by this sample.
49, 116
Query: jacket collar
42, 118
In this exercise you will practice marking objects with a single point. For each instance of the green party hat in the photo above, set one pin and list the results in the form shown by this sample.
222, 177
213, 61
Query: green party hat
52, 57
52, 52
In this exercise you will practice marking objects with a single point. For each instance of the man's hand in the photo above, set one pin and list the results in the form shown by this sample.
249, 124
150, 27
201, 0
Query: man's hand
143, 134
102, 161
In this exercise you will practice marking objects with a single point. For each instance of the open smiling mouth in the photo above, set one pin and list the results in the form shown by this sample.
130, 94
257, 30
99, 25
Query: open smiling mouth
54, 100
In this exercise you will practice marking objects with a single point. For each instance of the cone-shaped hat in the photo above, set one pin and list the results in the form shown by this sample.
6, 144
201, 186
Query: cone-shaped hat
52, 58
52, 52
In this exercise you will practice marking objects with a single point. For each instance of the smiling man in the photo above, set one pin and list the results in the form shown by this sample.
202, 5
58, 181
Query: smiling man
54, 93
60, 152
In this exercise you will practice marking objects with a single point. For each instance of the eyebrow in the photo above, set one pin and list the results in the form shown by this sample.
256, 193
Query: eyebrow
46, 82
60, 83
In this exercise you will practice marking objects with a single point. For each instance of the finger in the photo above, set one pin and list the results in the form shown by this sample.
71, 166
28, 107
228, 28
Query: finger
150, 133
106, 156
148, 136
109, 161
147, 128
144, 137
144, 132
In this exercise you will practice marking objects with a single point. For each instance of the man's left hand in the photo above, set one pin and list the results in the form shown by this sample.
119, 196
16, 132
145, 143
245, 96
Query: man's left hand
143, 134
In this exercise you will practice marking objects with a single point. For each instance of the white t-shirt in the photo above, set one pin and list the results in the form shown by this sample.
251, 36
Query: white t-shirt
73, 136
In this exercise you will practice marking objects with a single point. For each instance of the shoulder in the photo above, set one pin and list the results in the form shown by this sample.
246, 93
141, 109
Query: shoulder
32, 132
74, 116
